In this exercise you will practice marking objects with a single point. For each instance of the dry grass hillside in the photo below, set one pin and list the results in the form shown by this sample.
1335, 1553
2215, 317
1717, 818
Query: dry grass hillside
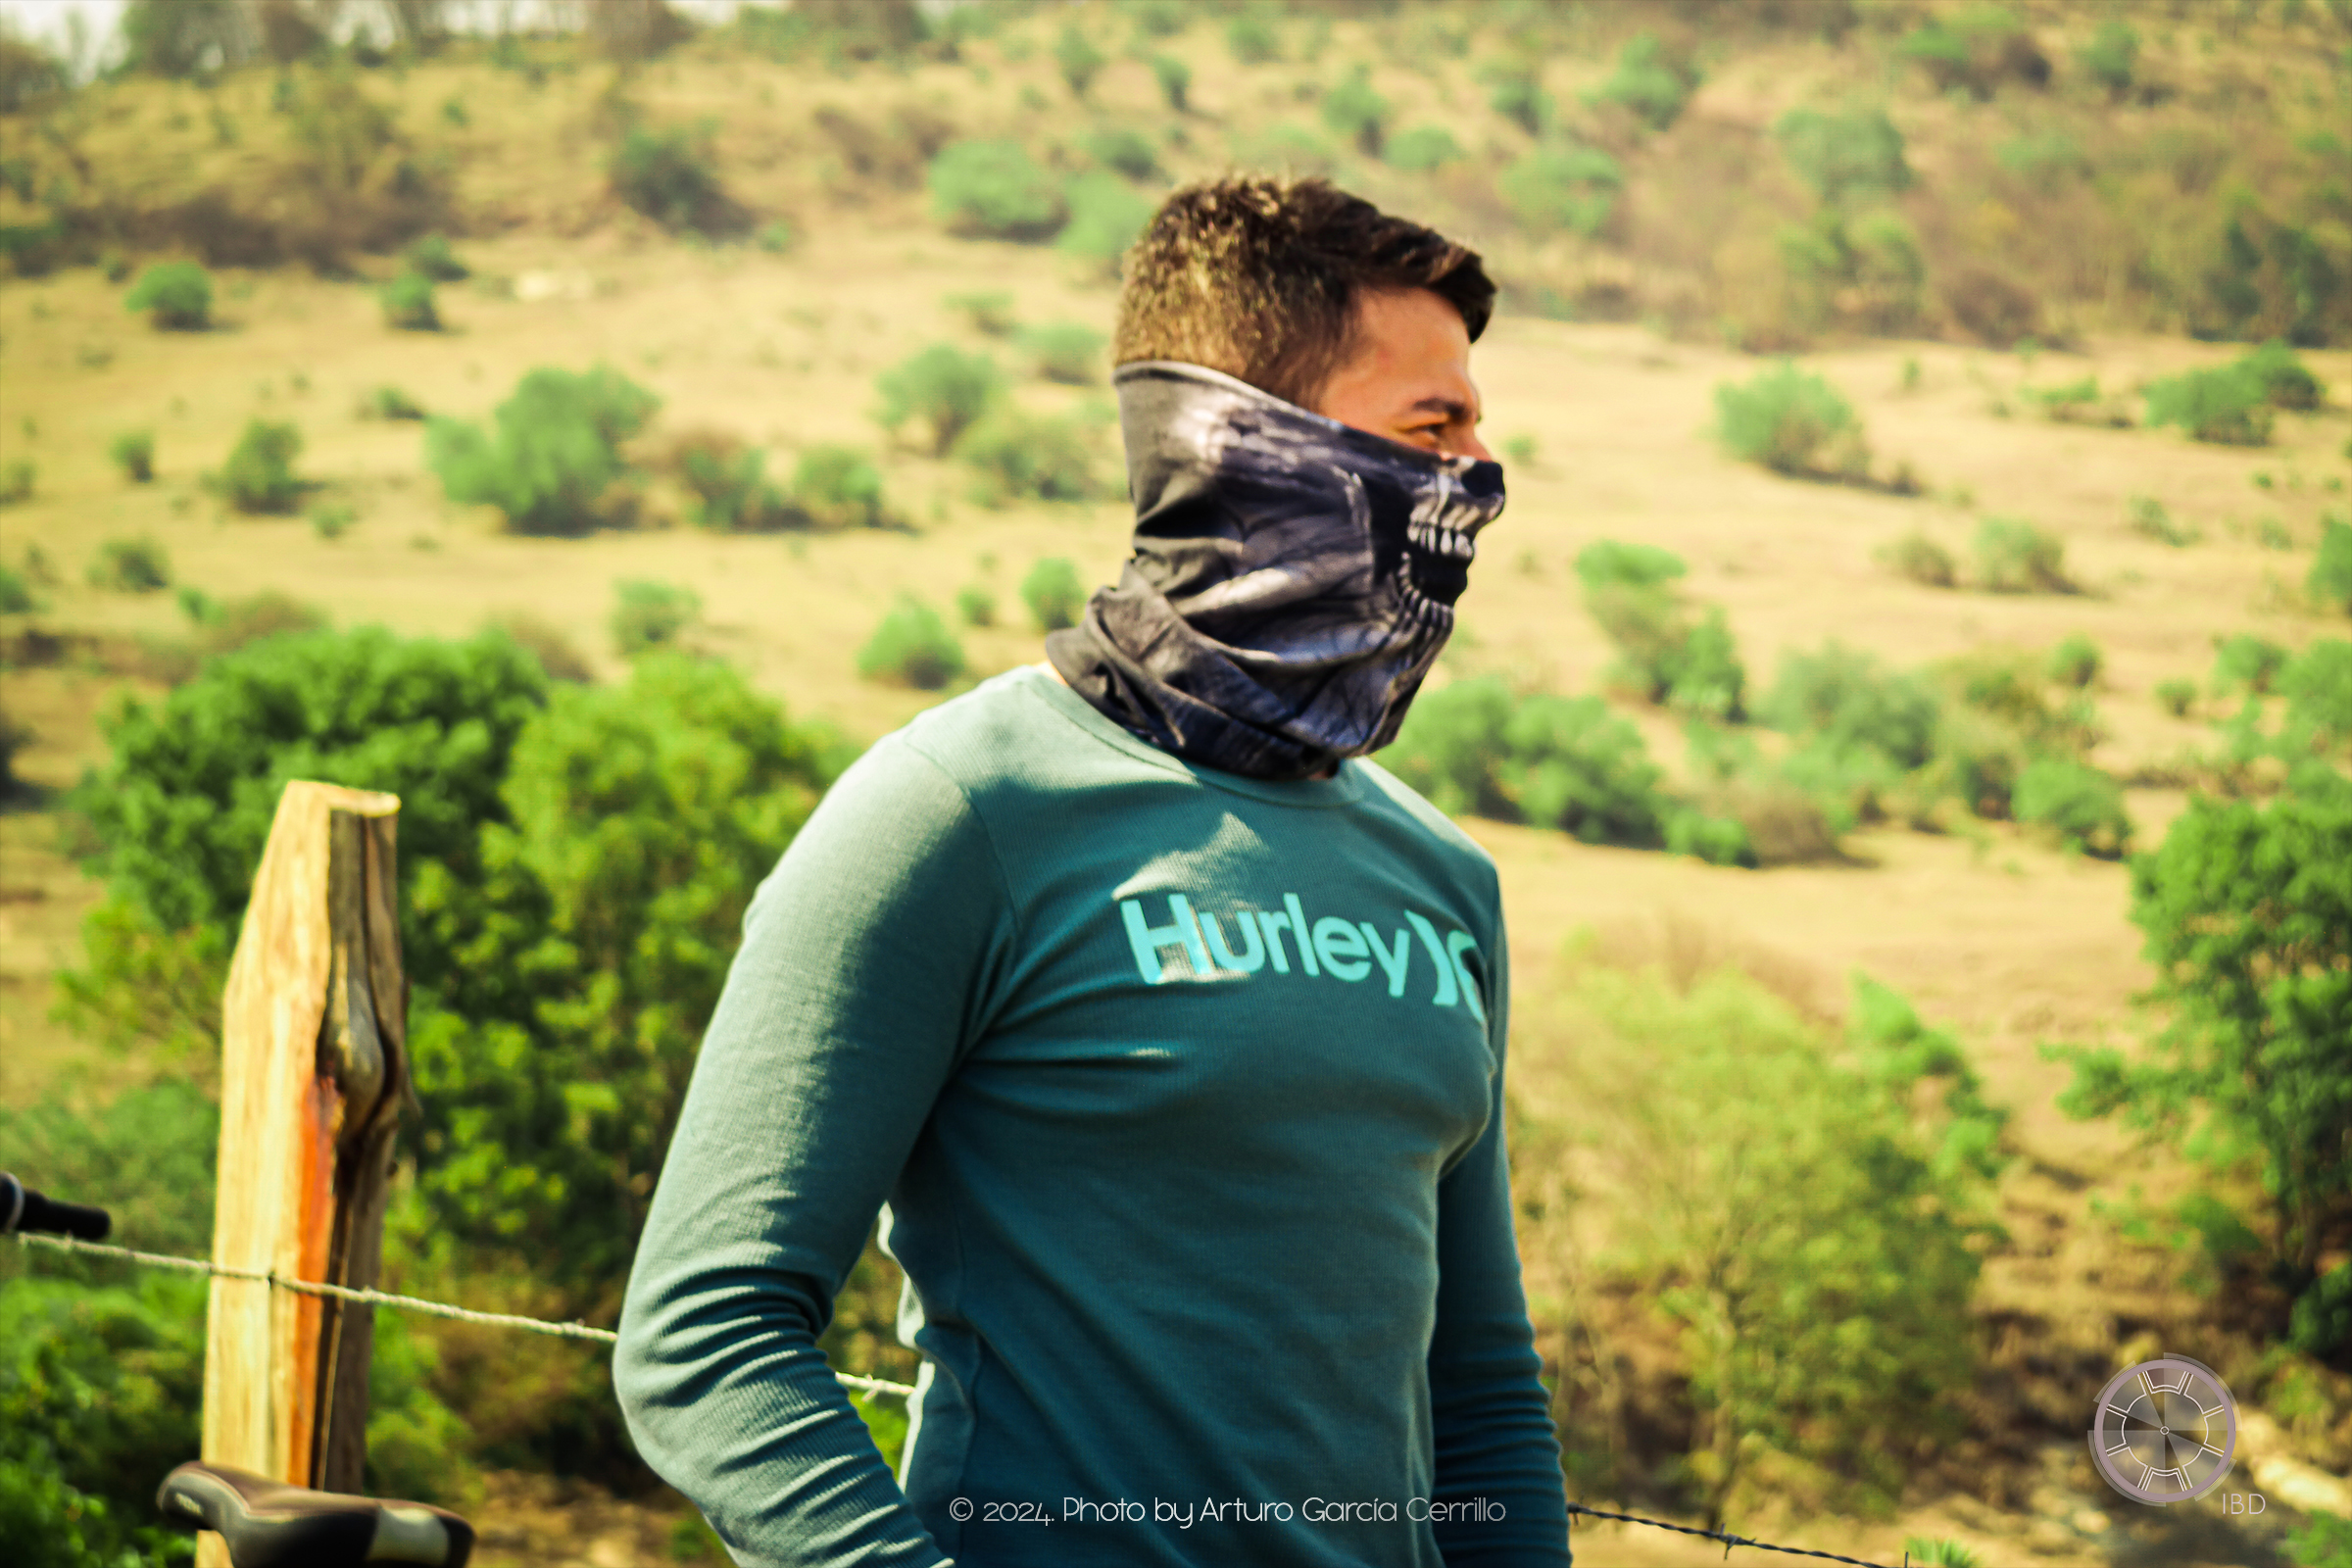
1600, 377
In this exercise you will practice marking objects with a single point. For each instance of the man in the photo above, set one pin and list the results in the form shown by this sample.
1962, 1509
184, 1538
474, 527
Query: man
1170, 1030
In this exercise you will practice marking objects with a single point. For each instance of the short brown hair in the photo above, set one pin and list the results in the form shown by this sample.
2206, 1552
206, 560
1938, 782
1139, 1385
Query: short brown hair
1258, 278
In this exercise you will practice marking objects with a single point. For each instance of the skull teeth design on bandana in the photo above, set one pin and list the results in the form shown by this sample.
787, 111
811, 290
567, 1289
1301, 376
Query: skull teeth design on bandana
1293, 578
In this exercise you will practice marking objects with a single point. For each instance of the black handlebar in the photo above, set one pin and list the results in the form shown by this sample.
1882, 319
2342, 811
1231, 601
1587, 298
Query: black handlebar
24, 1209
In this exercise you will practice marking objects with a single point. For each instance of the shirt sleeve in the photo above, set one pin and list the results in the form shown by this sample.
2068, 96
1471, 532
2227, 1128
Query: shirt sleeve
1497, 1458
865, 958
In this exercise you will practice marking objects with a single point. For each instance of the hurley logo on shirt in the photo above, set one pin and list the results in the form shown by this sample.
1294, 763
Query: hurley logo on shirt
1344, 949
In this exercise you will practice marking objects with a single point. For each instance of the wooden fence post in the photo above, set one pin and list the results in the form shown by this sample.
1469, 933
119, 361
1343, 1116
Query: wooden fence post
314, 1079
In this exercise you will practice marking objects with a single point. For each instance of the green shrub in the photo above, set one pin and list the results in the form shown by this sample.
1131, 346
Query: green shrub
776, 236
1920, 558
16, 481
1647, 84
259, 476
2246, 663
133, 452
1935, 1552
227, 625
2149, 519
15, 594
1251, 40
1868, 270
1077, 58
944, 388
1842, 698
2048, 160
669, 176
990, 313
1515, 91
1977, 48
391, 403
1284, 146
1574, 188
1418, 149
332, 521
1105, 217
728, 481
176, 296
1066, 352
1614, 563
2249, 940
2317, 686
839, 487
431, 257
2286, 382
2082, 804
2111, 56
1175, 80
1785, 1201
994, 189
1126, 151
1792, 422
408, 302
2177, 696
1055, 593
1844, 156
2228, 406
555, 452
648, 614
1473, 748
1016, 454
2076, 662
131, 566
976, 605
1354, 109
2014, 557
2324, 1540
912, 647
2331, 579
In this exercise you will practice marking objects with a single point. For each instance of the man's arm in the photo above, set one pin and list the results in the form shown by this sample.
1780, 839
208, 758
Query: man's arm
866, 956
1492, 1418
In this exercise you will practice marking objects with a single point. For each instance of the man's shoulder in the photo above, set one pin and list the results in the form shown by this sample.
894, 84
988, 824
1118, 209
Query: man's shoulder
1385, 792
1006, 731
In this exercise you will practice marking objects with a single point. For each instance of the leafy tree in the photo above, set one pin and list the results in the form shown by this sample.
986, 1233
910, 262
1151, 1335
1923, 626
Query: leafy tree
2082, 804
1664, 655
432, 257
2248, 917
131, 566
554, 449
995, 189
178, 296
1515, 91
1842, 697
2228, 406
1067, 352
729, 481
2076, 662
2014, 557
943, 387
1124, 149
976, 604
1251, 39
259, 476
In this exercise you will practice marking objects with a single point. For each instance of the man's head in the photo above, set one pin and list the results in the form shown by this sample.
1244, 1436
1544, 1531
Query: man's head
1317, 297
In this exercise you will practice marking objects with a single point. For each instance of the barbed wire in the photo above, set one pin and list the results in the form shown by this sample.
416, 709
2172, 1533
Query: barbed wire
408, 1304
583, 1330
1728, 1540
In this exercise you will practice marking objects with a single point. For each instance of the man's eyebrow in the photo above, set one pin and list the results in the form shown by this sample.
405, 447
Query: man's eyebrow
1451, 408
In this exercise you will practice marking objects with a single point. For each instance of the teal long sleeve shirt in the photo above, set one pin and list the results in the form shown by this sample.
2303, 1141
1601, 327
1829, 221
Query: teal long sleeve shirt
1180, 1096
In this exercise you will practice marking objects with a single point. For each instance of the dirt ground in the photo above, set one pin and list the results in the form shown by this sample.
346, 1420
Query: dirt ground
2002, 938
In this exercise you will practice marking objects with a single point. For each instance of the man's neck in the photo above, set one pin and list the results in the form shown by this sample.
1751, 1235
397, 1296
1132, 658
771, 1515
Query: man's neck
1047, 664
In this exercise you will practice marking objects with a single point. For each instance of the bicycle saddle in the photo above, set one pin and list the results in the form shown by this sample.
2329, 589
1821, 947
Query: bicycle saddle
268, 1524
